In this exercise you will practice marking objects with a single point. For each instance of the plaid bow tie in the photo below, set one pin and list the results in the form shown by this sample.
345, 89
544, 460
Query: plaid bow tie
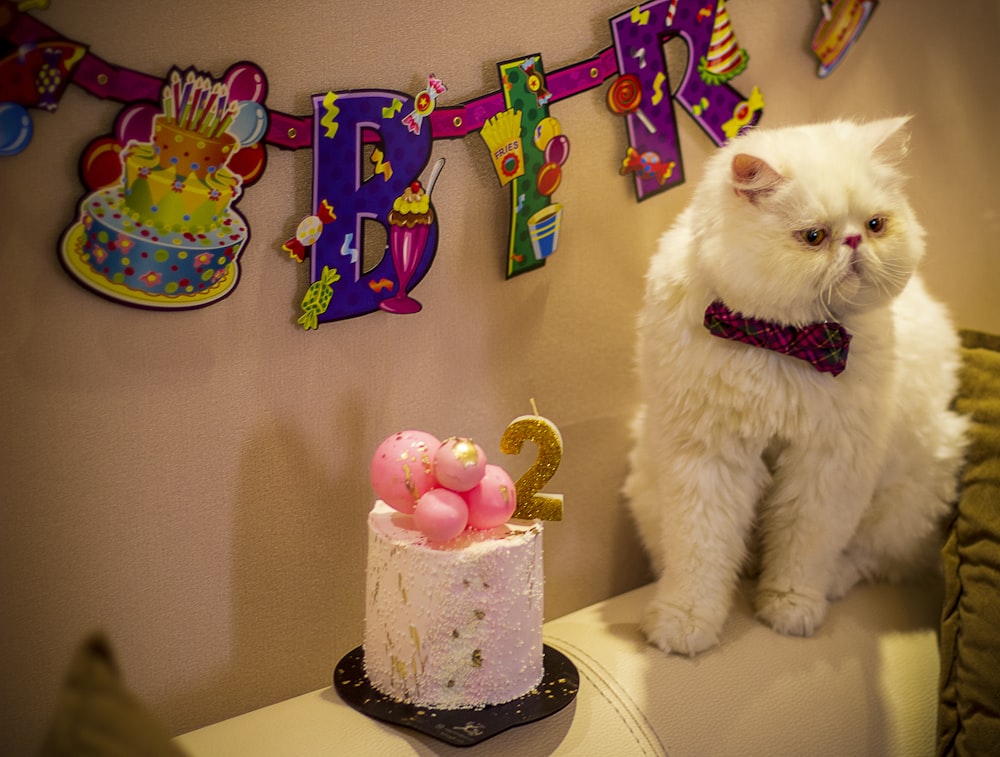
824, 345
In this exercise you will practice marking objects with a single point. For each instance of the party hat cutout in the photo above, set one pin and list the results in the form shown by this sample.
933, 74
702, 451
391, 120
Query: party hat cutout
725, 58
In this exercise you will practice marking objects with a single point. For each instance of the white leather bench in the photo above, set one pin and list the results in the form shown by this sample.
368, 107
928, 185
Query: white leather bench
864, 684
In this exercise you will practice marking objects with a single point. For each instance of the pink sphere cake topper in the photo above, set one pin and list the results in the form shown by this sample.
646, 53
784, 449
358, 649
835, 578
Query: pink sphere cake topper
459, 464
446, 486
441, 514
402, 469
493, 500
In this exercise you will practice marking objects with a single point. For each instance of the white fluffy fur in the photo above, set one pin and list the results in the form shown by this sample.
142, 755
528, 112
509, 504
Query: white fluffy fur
839, 478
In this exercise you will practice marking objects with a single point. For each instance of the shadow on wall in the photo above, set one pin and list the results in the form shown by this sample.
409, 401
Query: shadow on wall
295, 608
581, 568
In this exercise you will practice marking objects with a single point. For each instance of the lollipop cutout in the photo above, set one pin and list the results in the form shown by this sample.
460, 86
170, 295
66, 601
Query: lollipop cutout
625, 96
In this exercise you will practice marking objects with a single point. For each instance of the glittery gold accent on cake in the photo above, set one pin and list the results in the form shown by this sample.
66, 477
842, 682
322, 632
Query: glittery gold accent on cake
465, 452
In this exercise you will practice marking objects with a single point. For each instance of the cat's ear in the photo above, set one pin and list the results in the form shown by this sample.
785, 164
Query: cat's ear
753, 178
890, 139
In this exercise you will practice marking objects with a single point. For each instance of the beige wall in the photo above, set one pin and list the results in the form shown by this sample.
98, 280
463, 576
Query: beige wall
195, 483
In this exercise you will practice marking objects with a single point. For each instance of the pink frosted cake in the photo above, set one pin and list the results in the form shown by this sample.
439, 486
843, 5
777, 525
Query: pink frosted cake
454, 590
454, 625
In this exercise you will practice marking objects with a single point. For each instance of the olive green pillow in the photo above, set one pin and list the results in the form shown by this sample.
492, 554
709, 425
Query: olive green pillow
969, 712
97, 716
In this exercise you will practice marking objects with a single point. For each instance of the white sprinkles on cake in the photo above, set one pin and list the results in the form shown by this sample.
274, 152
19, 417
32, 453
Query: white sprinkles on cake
453, 625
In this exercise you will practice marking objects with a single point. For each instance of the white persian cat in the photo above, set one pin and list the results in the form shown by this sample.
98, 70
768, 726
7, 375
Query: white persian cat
839, 476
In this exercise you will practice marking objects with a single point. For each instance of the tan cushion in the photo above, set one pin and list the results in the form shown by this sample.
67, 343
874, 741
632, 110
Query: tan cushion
969, 718
97, 716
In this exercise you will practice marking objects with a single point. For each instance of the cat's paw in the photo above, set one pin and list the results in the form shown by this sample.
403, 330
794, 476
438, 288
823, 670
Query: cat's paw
674, 629
789, 612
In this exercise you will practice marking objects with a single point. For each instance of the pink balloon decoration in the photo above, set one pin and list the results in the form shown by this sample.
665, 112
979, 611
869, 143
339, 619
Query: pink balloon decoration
441, 514
402, 468
493, 500
135, 123
557, 150
459, 464
245, 82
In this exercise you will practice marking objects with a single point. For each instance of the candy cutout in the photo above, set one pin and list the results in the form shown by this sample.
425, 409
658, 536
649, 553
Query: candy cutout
402, 469
423, 103
647, 165
493, 500
309, 230
459, 464
535, 81
317, 298
441, 514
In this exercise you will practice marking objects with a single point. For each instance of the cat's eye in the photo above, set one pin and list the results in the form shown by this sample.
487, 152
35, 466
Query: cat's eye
813, 237
876, 225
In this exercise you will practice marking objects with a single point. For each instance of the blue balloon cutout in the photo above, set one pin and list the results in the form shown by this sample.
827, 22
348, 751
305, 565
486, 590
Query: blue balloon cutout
15, 128
250, 123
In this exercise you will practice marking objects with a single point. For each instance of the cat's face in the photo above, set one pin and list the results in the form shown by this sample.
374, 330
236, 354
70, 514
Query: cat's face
810, 223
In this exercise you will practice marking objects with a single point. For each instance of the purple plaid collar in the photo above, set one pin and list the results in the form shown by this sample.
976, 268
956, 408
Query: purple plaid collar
823, 345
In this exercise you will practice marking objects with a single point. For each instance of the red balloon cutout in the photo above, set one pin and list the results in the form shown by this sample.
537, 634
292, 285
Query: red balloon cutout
100, 164
249, 163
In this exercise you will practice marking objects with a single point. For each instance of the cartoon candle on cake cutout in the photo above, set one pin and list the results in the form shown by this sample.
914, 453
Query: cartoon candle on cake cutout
531, 501
409, 226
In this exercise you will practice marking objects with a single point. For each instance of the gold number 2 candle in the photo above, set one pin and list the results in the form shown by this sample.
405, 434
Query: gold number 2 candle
532, 502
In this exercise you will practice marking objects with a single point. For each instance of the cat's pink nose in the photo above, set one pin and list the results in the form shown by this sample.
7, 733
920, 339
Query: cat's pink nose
853, 241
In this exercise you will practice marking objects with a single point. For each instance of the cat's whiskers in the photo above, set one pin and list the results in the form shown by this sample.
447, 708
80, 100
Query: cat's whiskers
888, 276
826, 303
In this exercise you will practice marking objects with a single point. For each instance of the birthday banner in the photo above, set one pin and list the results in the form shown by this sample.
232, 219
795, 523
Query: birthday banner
159, 226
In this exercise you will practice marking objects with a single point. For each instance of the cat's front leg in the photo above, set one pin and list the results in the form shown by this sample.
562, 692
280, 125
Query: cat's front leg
821, 489
707, 505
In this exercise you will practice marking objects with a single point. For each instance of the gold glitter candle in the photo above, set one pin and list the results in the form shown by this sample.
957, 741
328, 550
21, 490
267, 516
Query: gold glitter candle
531, 501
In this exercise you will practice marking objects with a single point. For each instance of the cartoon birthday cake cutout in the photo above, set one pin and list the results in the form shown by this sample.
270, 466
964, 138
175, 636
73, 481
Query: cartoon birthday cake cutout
166, 235
842, 24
